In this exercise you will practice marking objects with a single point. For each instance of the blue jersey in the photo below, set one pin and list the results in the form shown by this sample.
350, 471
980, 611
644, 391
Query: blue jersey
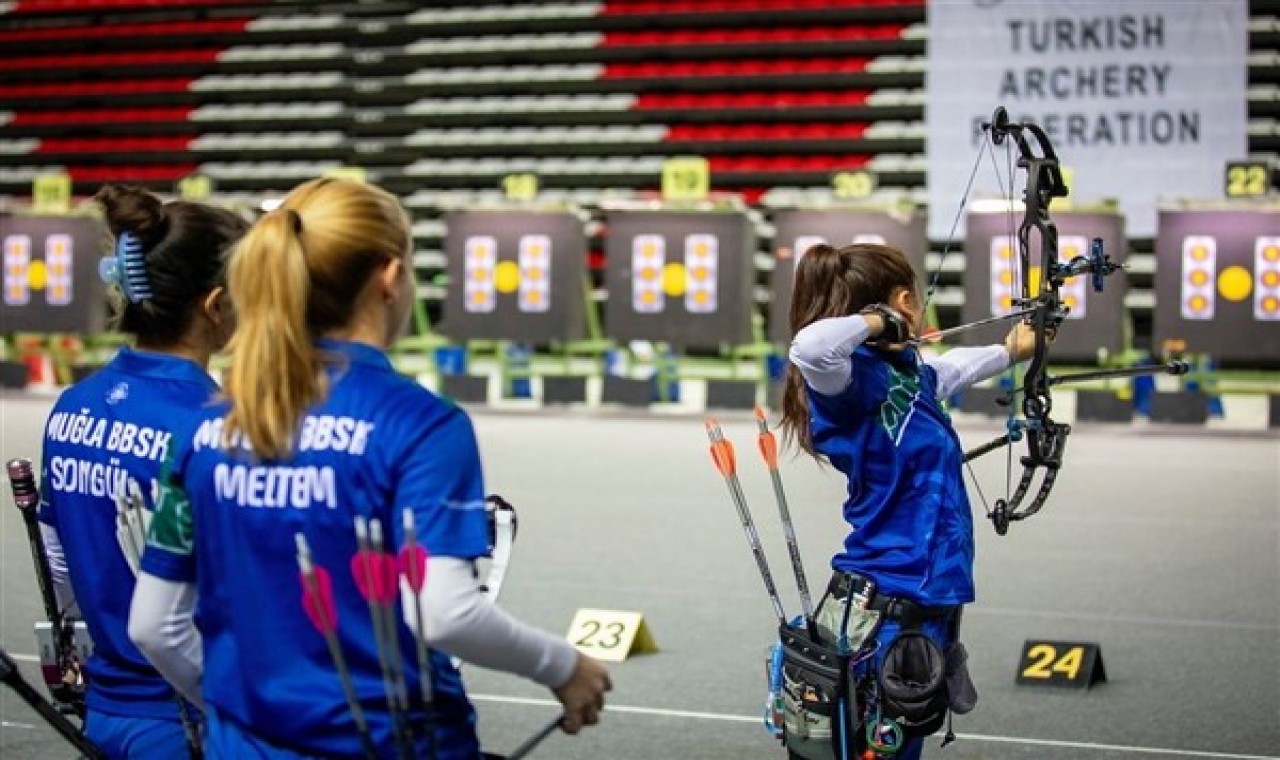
378, 444
118, 424
912, 530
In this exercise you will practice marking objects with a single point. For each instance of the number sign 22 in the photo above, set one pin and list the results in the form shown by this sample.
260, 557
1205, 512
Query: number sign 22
610, 634
1068, 664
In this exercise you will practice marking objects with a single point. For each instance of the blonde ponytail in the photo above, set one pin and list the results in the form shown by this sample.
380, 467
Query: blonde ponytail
296, 276
275, 371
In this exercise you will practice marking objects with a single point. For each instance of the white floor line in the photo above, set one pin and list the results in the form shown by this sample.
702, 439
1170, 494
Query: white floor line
619, 708
612, 708
24, 657
12, 724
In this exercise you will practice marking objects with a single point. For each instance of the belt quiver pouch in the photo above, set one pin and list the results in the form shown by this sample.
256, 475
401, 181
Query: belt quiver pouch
913, 684
815, 696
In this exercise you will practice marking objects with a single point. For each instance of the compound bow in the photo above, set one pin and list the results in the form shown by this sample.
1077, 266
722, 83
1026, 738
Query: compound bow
1044, 311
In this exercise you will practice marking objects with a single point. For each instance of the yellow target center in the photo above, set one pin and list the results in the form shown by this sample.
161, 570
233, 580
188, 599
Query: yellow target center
37, 275
1235, 283
506, 277
673, 279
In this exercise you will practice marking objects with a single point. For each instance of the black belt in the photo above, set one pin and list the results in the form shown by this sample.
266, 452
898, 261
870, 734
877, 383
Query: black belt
845, 585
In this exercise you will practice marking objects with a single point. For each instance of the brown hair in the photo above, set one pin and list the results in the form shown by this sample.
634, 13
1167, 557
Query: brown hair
296, 275
831, 282
184, 246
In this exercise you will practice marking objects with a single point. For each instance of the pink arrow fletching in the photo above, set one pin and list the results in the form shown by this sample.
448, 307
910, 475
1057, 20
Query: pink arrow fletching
370, 579
413, 566
388, 578
317, 600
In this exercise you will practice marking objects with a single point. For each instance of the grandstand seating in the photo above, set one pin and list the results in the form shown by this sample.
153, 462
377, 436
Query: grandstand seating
439, 103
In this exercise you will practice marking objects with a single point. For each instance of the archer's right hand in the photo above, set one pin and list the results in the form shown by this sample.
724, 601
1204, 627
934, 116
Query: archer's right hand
583, 694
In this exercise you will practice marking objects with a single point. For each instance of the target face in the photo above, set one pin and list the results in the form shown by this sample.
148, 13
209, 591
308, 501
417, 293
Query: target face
1218, 284
515, 275
685, 278
50, 280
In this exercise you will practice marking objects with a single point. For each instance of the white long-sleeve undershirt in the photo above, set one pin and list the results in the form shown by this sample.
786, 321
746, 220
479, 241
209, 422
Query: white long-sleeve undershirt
162, 625
458, 619
822, 352
59, 575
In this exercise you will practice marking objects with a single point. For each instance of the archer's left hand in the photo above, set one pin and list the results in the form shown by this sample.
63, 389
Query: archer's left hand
1021, 342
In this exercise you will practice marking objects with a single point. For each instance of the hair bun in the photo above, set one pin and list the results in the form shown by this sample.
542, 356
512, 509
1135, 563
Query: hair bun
133, 209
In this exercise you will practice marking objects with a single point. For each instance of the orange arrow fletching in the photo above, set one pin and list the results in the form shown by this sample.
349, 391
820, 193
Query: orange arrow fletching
722, 453
721, 449
769, 450
768, 444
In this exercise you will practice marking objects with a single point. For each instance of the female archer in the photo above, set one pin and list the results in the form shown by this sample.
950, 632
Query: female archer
318, 430
858, 396
167, 274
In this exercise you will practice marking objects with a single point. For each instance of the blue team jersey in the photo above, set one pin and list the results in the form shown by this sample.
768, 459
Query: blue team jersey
117, 424
912, 530
379, 443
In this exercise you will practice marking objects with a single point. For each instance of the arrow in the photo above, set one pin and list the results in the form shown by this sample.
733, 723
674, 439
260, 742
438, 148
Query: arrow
412, 564
769, 451
317, 602
938, 335
723, 456
369, 569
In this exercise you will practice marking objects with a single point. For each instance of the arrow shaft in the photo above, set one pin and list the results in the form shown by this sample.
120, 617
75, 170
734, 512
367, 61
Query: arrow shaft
312, 587
793, 546
933, 337
757, 550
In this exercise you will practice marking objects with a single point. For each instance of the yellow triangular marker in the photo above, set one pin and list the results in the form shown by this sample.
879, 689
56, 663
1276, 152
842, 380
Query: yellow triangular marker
610, 635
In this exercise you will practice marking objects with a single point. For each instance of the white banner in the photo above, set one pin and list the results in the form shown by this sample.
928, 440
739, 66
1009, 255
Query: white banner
1142, 99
